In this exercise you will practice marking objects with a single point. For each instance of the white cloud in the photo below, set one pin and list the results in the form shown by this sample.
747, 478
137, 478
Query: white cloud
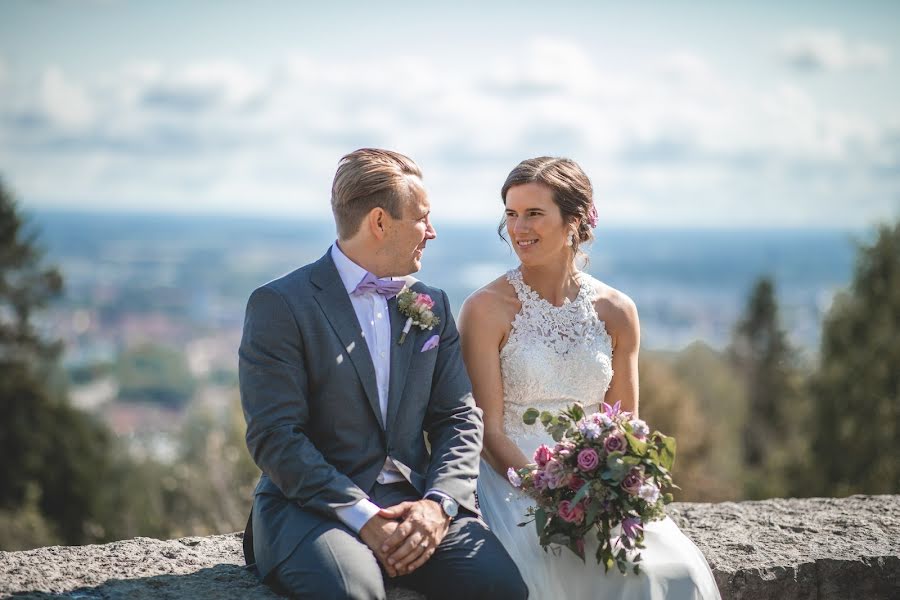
813, 50
670, 142
64, 101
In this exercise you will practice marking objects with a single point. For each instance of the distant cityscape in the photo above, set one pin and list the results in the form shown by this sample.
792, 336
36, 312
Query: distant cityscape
181, 283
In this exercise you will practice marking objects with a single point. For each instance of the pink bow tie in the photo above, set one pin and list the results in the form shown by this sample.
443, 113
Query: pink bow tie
386, 287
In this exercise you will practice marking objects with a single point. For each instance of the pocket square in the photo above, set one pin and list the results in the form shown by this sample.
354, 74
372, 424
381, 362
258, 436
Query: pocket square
431, 343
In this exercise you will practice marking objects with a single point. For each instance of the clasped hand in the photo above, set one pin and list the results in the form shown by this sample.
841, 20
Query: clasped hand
404, 546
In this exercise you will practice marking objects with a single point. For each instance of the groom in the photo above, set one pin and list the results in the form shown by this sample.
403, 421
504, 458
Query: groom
336, 408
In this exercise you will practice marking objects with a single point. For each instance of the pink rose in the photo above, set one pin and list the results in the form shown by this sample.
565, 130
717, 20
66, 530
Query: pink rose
424, 300
588, 459
556, 474
542, 455
571, 513
564, 449
633, 482
615, 443
575, 483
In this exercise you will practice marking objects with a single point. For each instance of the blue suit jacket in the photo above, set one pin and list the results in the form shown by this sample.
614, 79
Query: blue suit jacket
310, 399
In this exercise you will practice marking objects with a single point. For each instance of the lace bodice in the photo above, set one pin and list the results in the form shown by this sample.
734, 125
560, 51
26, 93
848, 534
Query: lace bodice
554, 355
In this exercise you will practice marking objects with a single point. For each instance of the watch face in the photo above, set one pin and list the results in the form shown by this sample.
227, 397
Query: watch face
449, 507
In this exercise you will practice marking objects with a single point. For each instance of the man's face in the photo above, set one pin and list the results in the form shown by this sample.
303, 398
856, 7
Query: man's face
407, 236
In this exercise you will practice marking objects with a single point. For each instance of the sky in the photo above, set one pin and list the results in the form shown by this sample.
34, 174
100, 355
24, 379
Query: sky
688, 114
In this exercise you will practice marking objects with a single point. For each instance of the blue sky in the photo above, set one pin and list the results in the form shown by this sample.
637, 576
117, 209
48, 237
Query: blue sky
695, 114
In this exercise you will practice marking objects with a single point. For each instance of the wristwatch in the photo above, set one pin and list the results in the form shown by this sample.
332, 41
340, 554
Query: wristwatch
447, 504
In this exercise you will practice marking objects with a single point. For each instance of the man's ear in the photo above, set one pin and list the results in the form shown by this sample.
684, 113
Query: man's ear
376, 220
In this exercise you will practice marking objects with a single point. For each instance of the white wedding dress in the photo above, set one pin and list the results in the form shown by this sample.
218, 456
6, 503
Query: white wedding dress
556, 356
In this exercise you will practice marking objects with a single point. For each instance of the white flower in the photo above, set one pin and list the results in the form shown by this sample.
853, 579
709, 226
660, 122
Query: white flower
649, 493
589, 429
639, 428
513, 477
603, 420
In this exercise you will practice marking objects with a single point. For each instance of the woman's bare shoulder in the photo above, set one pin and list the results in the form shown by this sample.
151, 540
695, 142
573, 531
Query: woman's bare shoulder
494, 303
613, 306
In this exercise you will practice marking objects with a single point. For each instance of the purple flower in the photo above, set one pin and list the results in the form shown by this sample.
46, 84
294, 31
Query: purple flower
513, 477
540, 481
592, 216
614, 443
542, 455
633, 482
612, 411
588, 459
631, 527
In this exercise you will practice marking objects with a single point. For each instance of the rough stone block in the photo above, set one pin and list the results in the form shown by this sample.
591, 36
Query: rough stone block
811, 549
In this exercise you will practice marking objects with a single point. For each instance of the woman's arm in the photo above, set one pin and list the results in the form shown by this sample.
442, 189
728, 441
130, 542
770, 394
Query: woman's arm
482, 327
623, 326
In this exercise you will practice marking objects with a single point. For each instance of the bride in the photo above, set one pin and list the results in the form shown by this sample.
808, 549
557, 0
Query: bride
546, 335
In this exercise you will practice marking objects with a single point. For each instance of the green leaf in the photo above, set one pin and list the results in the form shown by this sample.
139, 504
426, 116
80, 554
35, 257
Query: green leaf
593, 509
582, 492
577, 412
546, 418
530, 416
637, 446
667, 452
540, 521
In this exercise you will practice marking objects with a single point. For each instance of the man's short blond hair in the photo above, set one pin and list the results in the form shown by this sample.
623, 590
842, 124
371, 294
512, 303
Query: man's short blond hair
368, 178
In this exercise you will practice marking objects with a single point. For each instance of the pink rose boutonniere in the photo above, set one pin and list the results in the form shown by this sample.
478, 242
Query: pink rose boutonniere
417, 308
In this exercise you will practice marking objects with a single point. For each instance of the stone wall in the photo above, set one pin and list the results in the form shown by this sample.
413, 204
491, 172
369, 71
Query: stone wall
815, 549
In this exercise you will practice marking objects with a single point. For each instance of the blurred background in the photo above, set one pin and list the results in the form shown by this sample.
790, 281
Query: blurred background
161, 160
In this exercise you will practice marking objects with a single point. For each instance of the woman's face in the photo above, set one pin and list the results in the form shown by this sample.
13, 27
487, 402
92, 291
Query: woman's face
535, 225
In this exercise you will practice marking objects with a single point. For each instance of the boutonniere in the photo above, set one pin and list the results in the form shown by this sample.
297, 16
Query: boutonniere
417, 308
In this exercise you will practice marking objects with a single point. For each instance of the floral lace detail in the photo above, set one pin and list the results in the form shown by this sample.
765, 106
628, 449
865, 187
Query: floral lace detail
555, 355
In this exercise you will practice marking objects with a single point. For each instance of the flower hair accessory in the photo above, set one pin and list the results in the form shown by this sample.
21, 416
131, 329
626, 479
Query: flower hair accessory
417, 308
592, 216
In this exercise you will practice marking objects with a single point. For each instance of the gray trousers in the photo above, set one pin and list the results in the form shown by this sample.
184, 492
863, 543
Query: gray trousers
333, 562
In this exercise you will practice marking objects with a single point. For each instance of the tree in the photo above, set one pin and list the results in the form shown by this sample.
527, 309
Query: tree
720, 394
26, 285
669, 405
857, 385
773, 438
52, 457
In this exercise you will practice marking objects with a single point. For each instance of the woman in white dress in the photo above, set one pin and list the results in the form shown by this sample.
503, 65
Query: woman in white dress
546, 335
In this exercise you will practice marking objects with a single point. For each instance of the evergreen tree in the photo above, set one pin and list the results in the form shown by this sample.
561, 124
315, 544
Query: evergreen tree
52, 456
26, 285
857, 386
773, 438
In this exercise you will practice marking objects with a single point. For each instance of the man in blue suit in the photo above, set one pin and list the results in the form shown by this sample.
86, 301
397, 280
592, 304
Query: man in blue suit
337, 411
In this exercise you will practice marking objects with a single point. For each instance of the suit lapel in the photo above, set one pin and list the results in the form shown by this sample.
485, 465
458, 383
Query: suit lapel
401, 355
335, 303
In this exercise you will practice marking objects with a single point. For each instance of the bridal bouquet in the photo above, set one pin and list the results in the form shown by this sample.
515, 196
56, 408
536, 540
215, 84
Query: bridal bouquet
605, 470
